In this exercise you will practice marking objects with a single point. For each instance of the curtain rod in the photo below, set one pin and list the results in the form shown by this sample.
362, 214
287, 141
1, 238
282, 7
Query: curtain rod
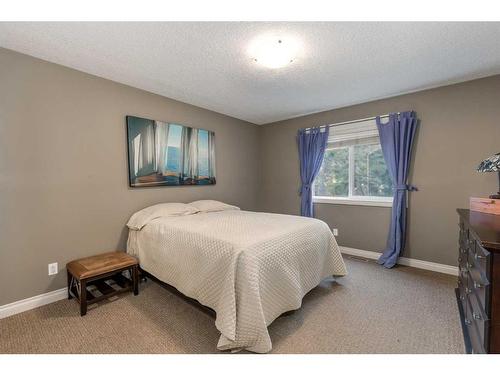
352, 121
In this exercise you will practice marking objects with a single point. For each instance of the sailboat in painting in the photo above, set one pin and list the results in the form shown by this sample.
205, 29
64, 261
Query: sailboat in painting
161, 153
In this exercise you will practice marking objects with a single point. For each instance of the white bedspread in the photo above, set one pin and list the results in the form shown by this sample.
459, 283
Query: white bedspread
250, 267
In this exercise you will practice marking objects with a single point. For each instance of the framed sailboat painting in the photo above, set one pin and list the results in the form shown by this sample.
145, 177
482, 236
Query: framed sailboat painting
162, 153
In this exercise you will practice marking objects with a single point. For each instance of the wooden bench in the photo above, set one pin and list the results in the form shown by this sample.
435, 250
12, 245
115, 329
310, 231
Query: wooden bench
104, 272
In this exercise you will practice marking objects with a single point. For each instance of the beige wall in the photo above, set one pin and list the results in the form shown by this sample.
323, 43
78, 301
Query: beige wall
460, 126
63, 167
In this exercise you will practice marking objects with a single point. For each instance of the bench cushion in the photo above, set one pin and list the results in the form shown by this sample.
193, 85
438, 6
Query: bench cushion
100, 264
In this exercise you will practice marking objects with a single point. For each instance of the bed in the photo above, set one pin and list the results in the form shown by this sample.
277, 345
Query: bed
249, 267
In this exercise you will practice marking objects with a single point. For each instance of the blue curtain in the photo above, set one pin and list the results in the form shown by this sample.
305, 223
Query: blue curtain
396, 139
312, 144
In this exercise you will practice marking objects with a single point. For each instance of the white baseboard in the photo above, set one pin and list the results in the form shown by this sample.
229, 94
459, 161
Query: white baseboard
416, 263
32, 302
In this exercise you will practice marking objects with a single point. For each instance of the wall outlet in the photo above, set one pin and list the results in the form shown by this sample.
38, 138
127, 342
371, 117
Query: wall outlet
52, 269
335, 231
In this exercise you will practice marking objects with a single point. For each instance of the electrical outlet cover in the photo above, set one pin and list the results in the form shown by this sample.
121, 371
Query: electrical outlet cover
52, 269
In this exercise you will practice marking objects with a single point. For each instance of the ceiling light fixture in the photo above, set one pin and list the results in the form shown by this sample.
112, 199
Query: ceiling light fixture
273, 52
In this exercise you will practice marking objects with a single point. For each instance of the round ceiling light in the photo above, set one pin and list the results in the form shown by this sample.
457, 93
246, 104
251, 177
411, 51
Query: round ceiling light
273, 52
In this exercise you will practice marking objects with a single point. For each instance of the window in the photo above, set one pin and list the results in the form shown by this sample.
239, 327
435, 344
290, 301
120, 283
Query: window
353, 169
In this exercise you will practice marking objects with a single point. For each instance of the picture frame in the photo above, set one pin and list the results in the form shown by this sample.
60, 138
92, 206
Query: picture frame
169, 154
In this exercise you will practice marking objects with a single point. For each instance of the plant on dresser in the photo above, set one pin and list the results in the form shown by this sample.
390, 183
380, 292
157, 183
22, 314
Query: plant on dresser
478, 291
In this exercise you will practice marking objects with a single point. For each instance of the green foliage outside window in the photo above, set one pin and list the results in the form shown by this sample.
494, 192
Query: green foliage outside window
333, 178
370, 179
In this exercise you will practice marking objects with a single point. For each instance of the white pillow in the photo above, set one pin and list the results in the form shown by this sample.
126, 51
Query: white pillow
212, 206
144, 216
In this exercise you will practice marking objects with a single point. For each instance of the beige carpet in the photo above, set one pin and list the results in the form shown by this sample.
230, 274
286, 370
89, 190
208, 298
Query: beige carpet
372, 310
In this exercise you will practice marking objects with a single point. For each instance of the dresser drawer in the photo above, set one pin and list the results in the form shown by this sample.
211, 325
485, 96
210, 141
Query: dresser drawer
463, 285
480, 286
479, 274
463, 277
477, 316
463, 258
482, 290
463, 280
479, 256
475, 341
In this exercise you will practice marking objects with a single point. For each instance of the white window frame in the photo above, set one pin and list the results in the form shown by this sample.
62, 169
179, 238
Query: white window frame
362, 129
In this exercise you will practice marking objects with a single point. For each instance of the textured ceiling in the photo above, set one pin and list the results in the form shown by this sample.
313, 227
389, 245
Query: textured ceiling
206, 64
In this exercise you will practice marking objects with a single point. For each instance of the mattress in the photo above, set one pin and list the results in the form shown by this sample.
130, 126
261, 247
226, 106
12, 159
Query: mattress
249, 267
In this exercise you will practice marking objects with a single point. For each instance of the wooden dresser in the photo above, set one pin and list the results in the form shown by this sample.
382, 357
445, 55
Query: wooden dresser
478, 291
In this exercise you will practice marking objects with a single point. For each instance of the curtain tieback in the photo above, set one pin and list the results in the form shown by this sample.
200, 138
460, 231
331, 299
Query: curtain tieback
405, 187
304, 188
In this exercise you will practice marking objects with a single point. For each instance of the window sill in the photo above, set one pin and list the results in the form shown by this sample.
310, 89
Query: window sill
354, 201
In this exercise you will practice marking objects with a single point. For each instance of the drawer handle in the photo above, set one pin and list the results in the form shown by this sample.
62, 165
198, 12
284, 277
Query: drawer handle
468, 291
476, 256
476, 316
477, 285
467, 321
